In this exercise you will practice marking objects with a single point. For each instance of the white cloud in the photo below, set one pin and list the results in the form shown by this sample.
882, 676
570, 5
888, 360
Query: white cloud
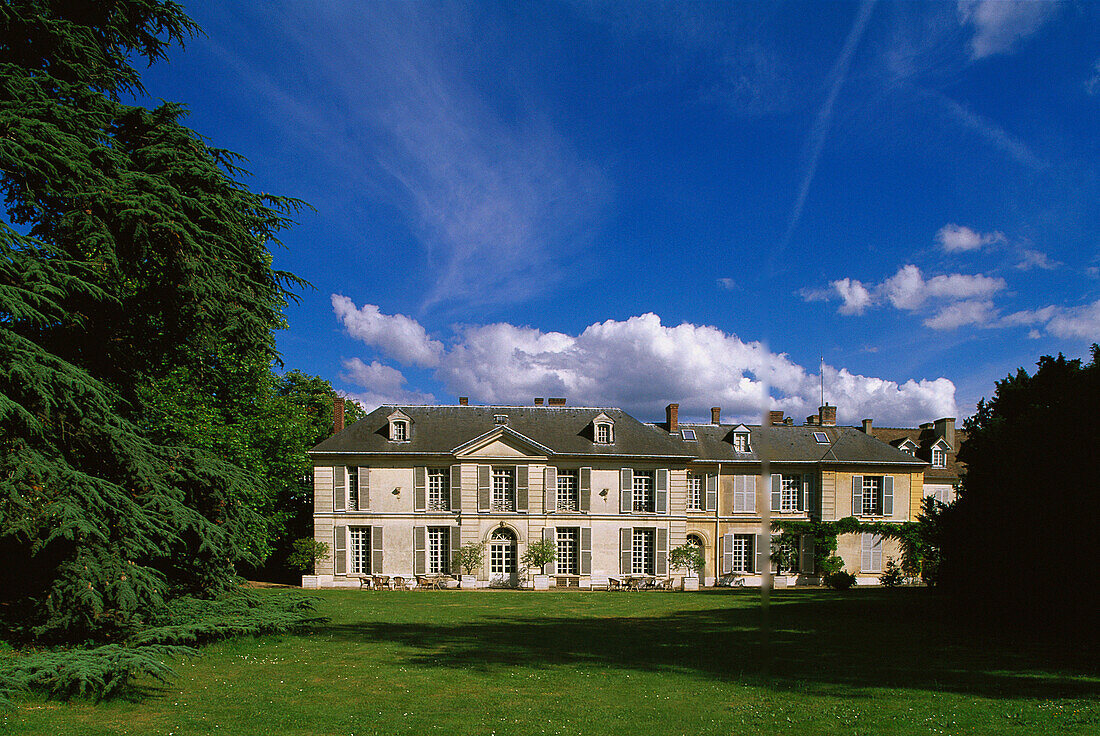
1082, 322
1092, 84
953, 238
400, 337
855, 295
1000, 24
961, 314
727, 284
384, 384
640, 364
1030, 259
908, 289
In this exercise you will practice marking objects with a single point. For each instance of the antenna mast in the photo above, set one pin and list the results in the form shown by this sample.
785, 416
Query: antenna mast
822, 373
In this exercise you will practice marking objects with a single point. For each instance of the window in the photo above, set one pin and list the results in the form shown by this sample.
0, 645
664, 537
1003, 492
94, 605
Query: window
821, 438
603, 434
567, 490
688, 434
502, 552
694, 540
790, 490
503, 490
353, 489
941, 493
359, 549
439, 550
400, 431
643, 492
567, 561
500, 418
439, 490
695, 492
872, 495
744, 494
641, 552
939, 458
741, 441
742, 553
871, 557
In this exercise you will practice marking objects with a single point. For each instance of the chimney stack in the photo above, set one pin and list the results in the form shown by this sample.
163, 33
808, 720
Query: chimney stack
811, 420
946, 428
338, 415
775, 417
866, 426
463, 400
555, 402
672, 417
828, 416
715, 414
538, 401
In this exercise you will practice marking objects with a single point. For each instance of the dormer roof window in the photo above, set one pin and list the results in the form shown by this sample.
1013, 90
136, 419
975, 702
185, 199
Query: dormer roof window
939, 454
603, 430
908, 446
740, 438
400, 426
500, 418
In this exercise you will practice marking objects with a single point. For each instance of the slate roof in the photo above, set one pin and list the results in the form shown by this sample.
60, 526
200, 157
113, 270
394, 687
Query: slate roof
565, 430
925, 437
568, 431
792, 443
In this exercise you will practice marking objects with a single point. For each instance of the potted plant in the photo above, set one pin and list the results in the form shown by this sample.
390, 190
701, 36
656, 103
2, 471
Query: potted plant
468, 559
691, 557
538, 554
305, 555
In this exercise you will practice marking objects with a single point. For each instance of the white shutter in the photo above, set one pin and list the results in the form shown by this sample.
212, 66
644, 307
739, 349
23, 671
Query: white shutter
550, 489
727, 553
339, 488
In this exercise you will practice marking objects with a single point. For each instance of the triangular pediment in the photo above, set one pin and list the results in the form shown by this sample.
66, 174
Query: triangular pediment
906, 444
941, 443
502, 442
398, 414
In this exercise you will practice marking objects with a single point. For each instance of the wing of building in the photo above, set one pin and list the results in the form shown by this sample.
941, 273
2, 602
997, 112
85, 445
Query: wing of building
397, 493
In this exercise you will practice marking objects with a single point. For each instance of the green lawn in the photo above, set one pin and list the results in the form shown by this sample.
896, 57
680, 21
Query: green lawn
513, 662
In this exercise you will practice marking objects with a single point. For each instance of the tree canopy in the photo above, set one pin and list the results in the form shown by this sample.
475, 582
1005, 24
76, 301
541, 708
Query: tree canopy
143, 435
1018, 542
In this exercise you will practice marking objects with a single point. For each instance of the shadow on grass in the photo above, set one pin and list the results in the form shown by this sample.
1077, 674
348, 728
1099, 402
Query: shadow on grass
819, 641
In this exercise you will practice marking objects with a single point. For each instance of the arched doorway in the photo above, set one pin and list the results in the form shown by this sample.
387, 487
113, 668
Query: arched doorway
502, 557
696, 541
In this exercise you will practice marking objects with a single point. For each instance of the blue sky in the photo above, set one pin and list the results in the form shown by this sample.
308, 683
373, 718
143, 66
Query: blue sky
631, 204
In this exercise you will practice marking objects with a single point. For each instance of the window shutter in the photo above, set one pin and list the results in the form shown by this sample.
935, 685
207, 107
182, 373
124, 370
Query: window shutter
521, 487
876, 553
456, 542
550, 489
710, 502
626, 491
626, 542
810, 482
888, 495
364, 489
586, 550
549, 533
584, 493
800, 497
777, 481
865, 552
456, 488
339, 488
340, 549
762, 545
727, 553
807, 557
420, 562
376, 550
857, 495
661, 495
420, 493
660, 566
483, 487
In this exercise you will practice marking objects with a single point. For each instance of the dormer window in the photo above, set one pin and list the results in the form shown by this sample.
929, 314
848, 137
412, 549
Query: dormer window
400, 426
500, 418
603, 430
741, 441
939, 458
909, 447
400, 431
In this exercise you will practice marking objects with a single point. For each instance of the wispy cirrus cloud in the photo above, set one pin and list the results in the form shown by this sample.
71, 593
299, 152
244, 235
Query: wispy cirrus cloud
999, 25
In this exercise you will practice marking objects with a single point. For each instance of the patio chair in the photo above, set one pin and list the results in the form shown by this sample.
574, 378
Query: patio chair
400, 583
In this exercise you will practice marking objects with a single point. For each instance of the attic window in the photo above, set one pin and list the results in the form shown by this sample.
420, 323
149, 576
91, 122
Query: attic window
741, 441
821, 438
688, 434
939, 458
500, 418
399, 431
604, 435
